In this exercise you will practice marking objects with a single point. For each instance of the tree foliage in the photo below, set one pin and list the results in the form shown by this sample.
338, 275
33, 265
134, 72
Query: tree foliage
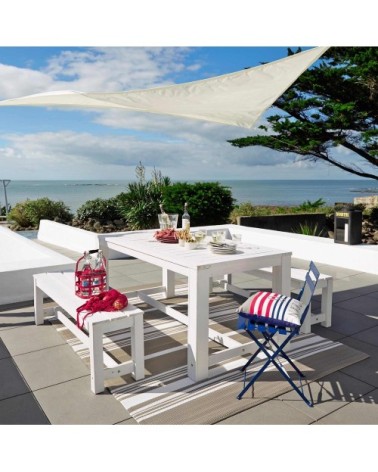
334, 103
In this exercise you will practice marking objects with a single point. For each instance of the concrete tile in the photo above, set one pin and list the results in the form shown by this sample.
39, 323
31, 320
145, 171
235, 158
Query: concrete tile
22, 410
31, 338
364, 304
363, 411
328, 394
122, 281
16, 317
327, 333
128, 422
73, 403
349, 322
3, 350
147, 278
369, 336
51, 366
12, 382
366, 371
273, 412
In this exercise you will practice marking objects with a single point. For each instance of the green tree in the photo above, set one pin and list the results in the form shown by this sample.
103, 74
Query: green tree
335, 103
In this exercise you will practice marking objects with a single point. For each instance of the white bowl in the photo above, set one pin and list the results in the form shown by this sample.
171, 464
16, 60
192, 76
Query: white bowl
189, 245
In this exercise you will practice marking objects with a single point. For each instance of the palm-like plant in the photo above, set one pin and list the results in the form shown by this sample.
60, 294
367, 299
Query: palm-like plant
140, 205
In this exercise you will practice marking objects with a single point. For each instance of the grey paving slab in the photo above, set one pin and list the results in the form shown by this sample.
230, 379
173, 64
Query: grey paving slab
345, 289
123, 282
147, 278
14, 318
128, 422
73, 403
369, 336
51, 366
365, 371
363, 411
364, 304
327, 333
31, 338
328, 394
3, 350
350, 322
12, 382
273, 412
22, 410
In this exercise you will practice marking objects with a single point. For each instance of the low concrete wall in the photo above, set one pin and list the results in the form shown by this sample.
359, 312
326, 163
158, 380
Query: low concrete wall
359, 257
288, 223
76, 239
20, 258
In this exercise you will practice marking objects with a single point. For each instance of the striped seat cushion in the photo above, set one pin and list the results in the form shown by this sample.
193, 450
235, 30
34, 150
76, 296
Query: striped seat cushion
271, 308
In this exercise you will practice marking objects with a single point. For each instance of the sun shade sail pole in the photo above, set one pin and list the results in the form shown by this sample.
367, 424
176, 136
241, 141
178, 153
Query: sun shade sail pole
237, 99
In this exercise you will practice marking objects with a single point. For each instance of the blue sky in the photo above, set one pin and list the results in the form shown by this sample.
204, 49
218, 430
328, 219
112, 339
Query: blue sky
40, 143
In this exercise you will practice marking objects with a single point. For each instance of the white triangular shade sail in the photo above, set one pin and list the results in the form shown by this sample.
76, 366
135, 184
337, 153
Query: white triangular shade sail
237, 99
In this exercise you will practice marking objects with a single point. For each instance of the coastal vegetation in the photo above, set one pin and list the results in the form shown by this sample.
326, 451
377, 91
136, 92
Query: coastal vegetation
209, 203
331, 105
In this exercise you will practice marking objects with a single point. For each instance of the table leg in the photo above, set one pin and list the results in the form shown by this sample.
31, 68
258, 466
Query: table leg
198, 325
281, 277
169, 282
38, 304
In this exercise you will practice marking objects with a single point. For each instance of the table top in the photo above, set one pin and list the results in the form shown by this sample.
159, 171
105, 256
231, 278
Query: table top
142, 243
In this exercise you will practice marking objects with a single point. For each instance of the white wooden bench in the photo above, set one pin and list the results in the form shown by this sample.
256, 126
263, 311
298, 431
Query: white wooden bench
60, 287
325, 283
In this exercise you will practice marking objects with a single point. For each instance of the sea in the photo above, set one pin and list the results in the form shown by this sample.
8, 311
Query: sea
75, 193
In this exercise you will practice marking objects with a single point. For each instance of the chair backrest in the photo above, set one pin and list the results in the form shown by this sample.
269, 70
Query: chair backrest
308, 289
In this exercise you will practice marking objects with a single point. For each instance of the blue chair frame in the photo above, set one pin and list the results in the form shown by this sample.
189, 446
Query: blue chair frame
269, 330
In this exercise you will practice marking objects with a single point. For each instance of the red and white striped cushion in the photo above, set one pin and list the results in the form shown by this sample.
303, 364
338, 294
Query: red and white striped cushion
273, 306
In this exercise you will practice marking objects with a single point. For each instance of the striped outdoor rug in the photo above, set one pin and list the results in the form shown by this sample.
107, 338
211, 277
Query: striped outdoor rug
168, 396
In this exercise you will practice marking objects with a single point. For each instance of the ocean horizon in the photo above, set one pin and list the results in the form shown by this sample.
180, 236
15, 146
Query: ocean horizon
75, 193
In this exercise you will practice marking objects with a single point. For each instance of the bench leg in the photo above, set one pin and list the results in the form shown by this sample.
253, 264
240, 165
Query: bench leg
96, 358
38, 305
137, 347
326, 304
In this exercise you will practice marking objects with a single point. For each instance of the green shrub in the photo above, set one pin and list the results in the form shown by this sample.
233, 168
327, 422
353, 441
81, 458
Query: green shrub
244, 209
309, 206
140, 205
102, 210
209, 203
18, 215
29, 213
372, 215
308, 229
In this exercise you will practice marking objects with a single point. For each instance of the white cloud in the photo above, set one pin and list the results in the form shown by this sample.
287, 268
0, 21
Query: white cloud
83, 155
97, 69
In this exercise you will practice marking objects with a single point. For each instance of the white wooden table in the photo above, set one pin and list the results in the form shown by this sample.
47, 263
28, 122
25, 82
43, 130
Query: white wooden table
201, 266
60, 287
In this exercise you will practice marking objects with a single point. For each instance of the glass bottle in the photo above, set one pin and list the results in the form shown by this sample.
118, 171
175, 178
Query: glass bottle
163, 218
185, 219
86, 273
99, 273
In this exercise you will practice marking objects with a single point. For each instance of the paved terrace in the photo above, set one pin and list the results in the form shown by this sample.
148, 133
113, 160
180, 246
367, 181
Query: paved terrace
47, 383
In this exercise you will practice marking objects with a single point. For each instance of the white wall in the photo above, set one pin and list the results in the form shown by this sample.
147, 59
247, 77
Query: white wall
75, 239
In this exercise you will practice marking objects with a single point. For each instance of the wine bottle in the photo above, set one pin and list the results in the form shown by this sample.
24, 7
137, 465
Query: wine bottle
185, 219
